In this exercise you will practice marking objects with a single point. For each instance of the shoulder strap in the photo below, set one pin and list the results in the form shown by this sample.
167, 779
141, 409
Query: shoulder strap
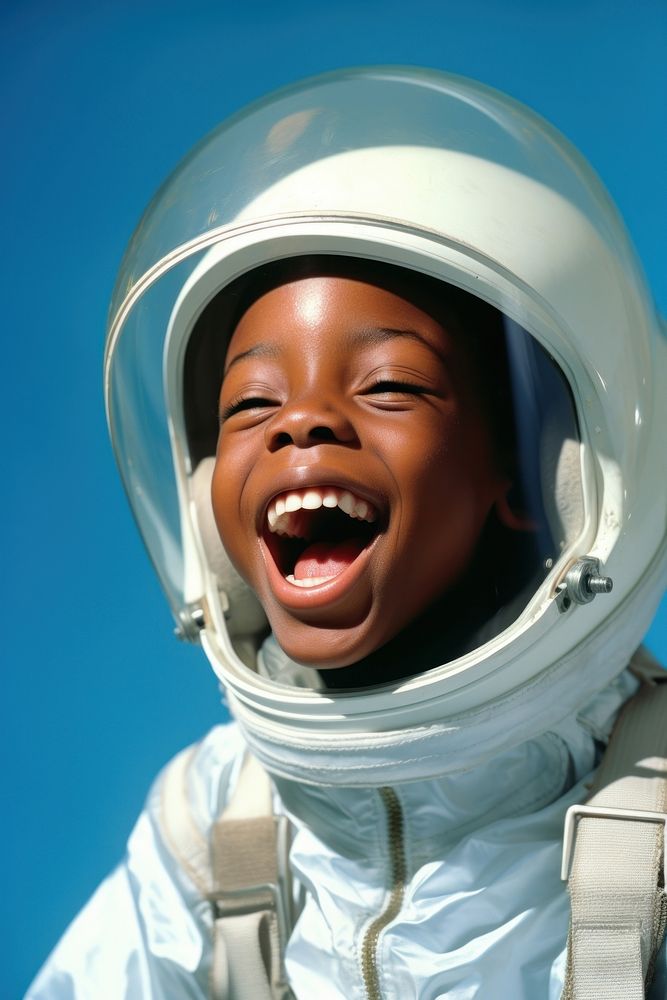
244, 871
614, 856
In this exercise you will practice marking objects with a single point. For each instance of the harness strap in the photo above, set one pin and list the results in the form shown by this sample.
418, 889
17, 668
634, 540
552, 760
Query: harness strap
244, 872
616, 878
181, 834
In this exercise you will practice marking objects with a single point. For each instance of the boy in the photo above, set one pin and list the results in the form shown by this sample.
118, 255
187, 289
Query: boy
417, 324
360, 373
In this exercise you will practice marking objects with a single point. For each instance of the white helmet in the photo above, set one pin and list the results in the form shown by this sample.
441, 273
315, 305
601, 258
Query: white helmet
439, 175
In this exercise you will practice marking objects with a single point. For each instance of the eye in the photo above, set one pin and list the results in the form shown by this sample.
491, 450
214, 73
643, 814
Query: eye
240, 404
393, 390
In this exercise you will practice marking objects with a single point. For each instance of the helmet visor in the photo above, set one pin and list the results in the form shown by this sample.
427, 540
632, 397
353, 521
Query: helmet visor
513, 388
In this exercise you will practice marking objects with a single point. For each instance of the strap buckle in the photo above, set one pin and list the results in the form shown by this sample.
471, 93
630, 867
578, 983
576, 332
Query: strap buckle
275, 896
577, 812
253, 899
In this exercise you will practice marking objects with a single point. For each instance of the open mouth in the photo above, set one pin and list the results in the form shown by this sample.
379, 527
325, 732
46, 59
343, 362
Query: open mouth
315, 534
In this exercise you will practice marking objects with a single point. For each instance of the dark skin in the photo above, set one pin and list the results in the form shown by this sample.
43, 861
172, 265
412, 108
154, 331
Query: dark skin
335, 384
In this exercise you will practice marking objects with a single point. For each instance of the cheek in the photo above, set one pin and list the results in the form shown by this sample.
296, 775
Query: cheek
448, 487
226, 491
433, 461
220, 500
463, 462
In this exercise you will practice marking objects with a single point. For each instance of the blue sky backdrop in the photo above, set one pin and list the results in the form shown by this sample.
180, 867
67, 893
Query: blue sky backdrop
99, 102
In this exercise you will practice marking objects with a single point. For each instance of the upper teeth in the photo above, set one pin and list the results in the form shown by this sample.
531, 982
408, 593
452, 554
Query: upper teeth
282, 507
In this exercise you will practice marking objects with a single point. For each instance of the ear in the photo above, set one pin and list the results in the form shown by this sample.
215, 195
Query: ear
514, 519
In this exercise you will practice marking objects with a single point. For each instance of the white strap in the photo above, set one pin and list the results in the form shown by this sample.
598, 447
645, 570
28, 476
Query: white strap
253, 795
183, 838
243, 871
616, 882
239, 971
251, 890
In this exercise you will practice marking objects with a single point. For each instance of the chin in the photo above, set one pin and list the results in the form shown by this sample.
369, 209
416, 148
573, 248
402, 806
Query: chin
324, 648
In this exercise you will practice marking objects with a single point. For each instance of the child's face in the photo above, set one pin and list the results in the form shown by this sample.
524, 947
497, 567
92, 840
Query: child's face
336, 393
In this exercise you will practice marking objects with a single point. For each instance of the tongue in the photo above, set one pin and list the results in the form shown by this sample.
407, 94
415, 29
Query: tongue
327, 558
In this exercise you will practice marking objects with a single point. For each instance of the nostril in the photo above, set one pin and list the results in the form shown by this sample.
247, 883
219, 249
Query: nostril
297, 426
314, 434
323, 434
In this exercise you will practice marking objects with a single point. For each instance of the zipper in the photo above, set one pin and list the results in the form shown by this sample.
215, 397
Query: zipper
369, 970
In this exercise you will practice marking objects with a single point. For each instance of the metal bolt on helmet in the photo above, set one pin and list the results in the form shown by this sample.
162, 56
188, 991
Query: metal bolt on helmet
582, 583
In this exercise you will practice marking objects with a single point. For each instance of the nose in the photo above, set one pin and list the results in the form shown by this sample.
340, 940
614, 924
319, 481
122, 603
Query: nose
308, 421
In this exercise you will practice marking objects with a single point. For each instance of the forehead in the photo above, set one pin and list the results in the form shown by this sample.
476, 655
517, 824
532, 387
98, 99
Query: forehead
334, 312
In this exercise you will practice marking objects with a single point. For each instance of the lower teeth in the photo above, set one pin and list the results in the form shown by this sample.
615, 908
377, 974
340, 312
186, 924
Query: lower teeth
308, 581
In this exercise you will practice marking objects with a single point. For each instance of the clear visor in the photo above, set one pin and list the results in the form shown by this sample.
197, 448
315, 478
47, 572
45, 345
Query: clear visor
519, 393
500, 379
408, 169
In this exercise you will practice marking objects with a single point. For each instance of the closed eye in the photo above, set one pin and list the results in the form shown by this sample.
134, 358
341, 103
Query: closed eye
393, 387
242, 403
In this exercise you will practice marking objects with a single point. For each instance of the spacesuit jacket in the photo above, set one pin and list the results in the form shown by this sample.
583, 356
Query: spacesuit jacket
481, 912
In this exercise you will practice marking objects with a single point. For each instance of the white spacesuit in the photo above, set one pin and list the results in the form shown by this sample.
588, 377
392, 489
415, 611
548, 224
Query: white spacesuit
426, 811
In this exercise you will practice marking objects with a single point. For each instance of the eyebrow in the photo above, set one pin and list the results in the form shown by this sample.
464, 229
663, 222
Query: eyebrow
260, 350
365, 337
370, 336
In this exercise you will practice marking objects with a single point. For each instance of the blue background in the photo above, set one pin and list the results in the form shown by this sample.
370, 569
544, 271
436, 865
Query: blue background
98, 104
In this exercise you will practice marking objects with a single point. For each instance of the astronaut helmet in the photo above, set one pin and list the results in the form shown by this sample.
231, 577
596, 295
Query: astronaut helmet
474, 210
